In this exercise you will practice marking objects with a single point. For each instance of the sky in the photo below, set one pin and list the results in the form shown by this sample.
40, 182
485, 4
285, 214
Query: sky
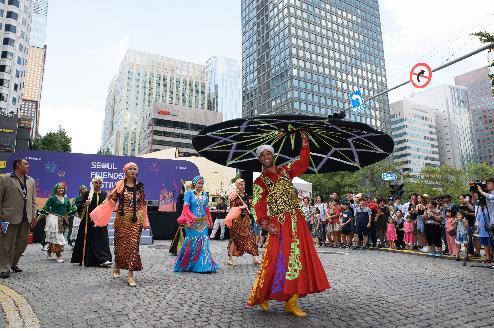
86, 41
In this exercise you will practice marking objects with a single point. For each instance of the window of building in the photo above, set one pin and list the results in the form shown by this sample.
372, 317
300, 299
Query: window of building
8, 42
14, 3
4, 82
5, 68
12, 14
10, 28
7, 55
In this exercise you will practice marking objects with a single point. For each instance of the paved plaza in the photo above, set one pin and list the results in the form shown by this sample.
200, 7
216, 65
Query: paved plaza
369, 289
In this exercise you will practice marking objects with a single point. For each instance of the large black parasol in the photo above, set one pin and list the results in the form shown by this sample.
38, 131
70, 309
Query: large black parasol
335, 144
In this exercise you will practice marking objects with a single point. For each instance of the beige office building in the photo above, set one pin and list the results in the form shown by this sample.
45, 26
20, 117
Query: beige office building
31, 95
143, 80
413, 128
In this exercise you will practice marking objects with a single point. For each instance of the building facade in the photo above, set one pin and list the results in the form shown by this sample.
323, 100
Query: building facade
453, 123
413, 128
481, 108
303, 56
15, 25
172, 126
143, 80
225, 87
35, 67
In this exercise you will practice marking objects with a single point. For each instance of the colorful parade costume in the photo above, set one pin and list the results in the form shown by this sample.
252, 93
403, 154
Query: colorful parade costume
195, 254
290, 266
57, 211
241, 234
92, 246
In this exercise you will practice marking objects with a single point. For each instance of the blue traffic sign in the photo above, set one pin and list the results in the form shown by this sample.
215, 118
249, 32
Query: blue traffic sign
389, 176
357, 101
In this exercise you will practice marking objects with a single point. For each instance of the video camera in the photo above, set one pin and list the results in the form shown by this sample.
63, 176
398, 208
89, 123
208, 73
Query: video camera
473, 186
474, 189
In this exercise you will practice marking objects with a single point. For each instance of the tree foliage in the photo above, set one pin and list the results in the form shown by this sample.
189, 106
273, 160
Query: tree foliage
486, 38
432, 181
58, 141
105, 151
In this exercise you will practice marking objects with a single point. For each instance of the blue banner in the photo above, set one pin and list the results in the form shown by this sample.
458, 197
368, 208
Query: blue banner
162, 178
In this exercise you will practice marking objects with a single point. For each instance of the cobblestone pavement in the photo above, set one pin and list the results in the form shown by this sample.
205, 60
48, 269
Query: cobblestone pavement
369, 289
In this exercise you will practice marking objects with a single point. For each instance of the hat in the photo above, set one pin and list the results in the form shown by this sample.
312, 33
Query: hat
263, 148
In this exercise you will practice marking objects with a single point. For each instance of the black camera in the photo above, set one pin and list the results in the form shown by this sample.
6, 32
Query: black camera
473, 186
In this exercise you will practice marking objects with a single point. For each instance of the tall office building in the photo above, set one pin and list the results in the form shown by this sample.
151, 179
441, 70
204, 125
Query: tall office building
413, 128
35, 67
15, 25
306, 56
481, 108
453, 123
225, 87
143, 80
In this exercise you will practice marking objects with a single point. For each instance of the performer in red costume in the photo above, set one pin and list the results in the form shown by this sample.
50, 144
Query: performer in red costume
290, 267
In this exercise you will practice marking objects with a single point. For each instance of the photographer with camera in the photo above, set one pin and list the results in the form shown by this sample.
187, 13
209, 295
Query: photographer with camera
485, 217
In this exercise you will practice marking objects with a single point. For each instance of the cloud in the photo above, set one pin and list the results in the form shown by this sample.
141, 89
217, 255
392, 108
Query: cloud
83, 123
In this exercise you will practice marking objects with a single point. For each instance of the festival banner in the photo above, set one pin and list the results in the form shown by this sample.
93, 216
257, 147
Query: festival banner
162, 178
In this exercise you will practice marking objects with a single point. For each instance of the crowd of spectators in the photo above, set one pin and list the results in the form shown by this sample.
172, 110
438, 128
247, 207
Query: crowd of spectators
461, 226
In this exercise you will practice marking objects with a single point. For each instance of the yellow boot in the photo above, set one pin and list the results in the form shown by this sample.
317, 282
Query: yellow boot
264, 305
292, 307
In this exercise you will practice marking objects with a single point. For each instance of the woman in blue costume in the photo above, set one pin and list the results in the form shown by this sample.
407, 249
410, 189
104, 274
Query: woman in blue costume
194, 254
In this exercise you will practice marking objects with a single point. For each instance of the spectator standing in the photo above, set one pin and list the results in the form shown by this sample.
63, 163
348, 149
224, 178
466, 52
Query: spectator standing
400, 232
462, 234
346, 224
432, 228
422, 201
391, 233
316, 226
333, 228
483, 230
374, 207
450, 228
382, 218
363, 219
447, 204
408, 228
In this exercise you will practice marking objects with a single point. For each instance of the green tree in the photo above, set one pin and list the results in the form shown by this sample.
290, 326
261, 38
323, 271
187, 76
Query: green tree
58, 141
366, 180
474, 171
486, 38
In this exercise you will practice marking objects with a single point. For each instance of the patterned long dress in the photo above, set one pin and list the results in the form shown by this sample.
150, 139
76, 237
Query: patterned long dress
290, 264
195, 254
241, 235
127, 232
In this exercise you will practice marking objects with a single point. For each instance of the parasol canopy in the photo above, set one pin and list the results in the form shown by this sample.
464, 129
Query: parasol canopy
335, 145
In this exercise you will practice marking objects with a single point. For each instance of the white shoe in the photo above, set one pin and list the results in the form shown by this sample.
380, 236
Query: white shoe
43, 248
106, 264
60, 260
425, 249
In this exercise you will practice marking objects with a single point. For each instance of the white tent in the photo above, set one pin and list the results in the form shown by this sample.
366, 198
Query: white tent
303, 187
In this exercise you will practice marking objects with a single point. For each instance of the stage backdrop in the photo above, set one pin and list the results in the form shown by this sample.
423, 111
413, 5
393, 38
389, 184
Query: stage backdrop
162, 178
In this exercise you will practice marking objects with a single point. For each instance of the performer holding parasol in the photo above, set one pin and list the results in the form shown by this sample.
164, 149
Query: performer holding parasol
238, 220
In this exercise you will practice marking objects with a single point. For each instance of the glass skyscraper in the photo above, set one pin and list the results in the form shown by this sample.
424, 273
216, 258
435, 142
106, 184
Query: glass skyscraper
225, 89
306, 56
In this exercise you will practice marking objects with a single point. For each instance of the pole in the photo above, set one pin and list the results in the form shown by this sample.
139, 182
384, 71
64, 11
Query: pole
447, 64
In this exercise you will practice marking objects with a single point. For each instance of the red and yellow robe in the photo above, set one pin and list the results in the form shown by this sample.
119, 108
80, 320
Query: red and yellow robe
290, 264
